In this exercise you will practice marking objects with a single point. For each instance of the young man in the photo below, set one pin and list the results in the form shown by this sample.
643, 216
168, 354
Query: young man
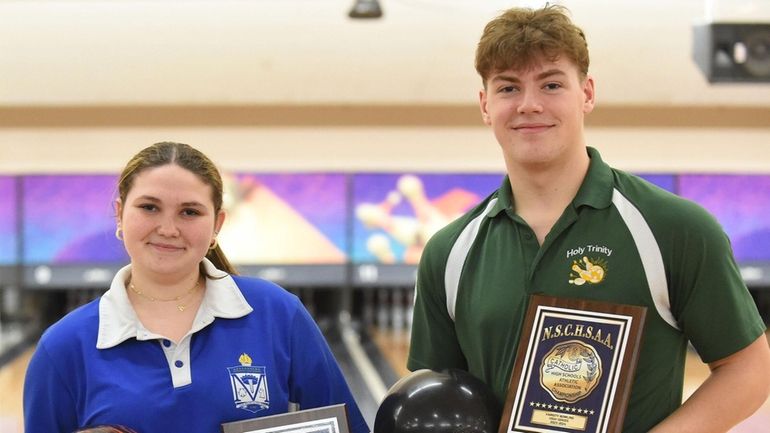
562, 210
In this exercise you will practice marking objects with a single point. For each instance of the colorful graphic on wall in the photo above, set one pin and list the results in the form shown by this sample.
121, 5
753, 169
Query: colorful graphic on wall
665, 181
70, 219
303, 218
741, 203
8, 221
285, 219
395, 214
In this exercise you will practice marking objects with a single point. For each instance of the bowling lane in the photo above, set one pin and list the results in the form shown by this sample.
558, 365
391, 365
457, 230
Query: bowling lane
11, 386
368, 373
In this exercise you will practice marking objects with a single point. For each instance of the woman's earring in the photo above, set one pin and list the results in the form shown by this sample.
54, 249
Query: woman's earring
119, 233
215, 243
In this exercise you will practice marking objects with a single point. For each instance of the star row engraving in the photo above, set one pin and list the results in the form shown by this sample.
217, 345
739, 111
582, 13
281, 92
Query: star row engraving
562, 408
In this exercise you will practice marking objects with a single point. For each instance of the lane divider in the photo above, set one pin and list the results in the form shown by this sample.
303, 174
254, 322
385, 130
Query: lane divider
352, 342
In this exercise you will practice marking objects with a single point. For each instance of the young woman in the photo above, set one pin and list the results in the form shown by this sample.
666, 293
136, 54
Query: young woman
179, 343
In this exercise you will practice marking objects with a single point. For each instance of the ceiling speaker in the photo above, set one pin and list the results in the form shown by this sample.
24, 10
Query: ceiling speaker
733, 52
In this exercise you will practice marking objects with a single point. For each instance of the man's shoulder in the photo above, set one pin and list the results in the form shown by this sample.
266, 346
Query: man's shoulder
660, 207
452, 230
447, 235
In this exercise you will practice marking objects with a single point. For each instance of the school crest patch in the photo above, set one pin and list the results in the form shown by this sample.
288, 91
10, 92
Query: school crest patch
249, 385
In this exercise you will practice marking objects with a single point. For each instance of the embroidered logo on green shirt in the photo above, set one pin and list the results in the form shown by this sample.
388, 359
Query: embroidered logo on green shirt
588, 271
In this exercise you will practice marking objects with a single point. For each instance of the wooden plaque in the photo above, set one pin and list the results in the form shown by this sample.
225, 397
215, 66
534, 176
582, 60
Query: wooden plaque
574, 367
328, 419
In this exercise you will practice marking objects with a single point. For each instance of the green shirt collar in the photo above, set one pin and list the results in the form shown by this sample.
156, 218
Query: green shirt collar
596, 190
504, 198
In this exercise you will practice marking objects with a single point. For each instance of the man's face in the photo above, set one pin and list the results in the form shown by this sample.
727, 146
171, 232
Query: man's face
537, 114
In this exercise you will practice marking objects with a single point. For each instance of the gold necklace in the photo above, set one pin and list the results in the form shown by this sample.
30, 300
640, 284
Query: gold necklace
180, 307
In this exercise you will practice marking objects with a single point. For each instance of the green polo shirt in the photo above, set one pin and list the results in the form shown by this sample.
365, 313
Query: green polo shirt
654, 249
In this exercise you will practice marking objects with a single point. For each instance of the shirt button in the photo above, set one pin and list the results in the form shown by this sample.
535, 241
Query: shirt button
166, 343
179, 364
528, 236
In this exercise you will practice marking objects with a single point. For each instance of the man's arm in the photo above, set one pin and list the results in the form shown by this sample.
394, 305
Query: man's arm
737, 386
434, 342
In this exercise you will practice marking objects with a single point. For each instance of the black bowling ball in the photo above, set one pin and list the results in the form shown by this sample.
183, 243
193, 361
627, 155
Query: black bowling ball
447, 401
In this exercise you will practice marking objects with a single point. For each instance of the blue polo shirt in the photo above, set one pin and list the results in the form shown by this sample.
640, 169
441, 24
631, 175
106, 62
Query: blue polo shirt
253, 351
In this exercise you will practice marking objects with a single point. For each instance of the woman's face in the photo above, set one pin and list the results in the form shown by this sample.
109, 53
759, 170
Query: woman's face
168, 221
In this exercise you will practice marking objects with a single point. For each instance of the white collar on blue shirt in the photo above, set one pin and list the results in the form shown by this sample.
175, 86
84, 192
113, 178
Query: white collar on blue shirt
118, 321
